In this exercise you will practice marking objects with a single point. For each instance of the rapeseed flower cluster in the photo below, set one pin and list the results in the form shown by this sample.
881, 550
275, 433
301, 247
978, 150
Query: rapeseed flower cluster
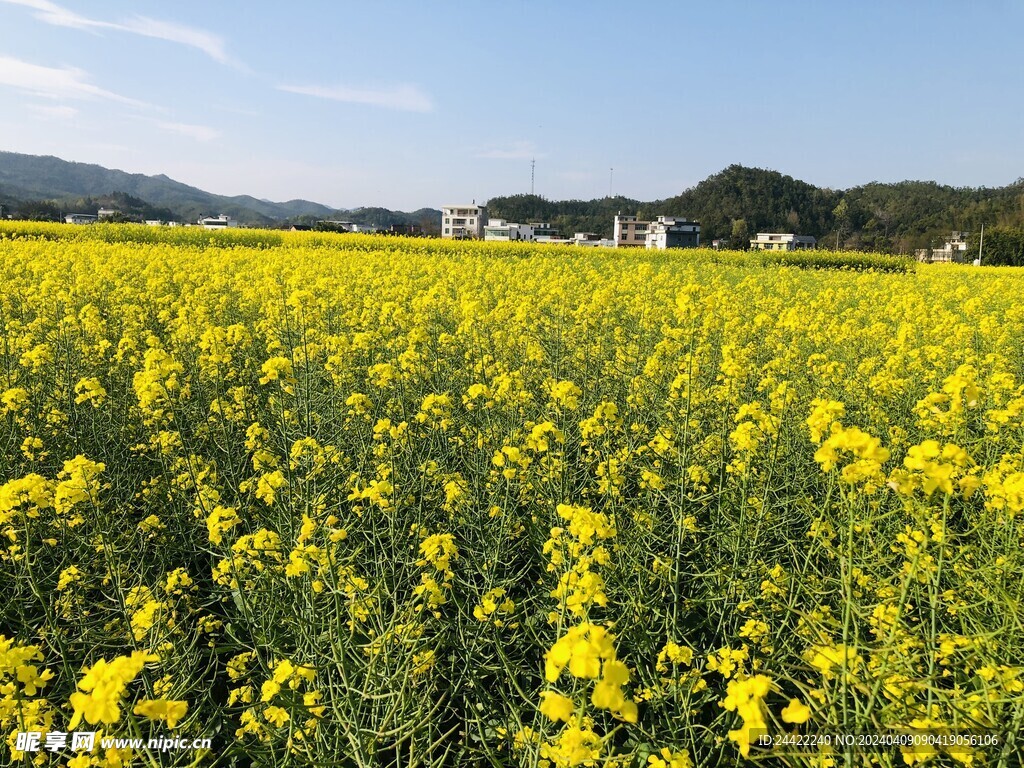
658, 504
98, 699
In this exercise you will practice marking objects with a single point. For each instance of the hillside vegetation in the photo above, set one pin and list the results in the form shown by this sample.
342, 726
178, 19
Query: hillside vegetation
735, 204
739, 202
41, 187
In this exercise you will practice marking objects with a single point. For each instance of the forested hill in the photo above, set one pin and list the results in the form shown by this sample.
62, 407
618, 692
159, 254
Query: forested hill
754, 201
738, 202
43, 187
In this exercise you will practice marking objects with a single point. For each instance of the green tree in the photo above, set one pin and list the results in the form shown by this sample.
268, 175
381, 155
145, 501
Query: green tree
1003, 246
841, 213
739, 238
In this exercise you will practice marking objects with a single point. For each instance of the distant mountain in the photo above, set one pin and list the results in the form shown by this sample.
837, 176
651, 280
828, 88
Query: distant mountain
44, 178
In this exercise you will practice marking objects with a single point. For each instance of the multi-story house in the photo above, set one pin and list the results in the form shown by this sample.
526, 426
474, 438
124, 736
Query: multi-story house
630, 232
670, 232
954, 249
543, 232
217, 222
461, 222
776, 241
506, 231
664, 232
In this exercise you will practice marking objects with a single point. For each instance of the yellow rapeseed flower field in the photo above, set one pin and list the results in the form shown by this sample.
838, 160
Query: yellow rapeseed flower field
364, 501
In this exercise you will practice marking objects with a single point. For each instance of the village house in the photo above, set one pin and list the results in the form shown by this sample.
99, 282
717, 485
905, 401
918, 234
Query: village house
781, 241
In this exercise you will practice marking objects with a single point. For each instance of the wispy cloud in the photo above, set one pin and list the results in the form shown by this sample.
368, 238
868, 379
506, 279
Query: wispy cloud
211, 44
55, 82
207, 42
54, 111
404, 97
54, 14
197, 132
517, 150
238, 110
69, 83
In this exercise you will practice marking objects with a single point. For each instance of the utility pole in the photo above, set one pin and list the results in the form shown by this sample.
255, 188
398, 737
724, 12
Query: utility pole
611, 175
981, 242
533, 163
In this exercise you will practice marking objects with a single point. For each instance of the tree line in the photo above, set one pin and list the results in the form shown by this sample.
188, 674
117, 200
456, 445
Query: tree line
1001, 246
738, 202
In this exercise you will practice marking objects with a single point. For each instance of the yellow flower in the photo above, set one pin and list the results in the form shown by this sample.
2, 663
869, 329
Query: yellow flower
102, 686
79, 483
490, 609
796, 712
278, 369
268, 485
438, 550
575, 745
270, 689
556, 707
582, 649
91, 391
746, 698
667, 758
276, 715
162, 709
221, 520
826, 659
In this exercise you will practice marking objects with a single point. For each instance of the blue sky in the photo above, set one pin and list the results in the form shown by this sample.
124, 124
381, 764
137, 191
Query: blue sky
410, 104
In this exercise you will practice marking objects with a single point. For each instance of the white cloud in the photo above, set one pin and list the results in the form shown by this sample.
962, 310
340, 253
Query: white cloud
207, 42
55, 111
404, 97
69, 83
55, 82
54, 14
237, 110
517, 150
197, 132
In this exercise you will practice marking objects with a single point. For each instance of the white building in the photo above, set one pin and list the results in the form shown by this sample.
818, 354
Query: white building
461, 222
774, 241
665, 232
953, 250
499, 230
217, 222
670, 232
79, 218
544, 232
107, 213
592, 240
